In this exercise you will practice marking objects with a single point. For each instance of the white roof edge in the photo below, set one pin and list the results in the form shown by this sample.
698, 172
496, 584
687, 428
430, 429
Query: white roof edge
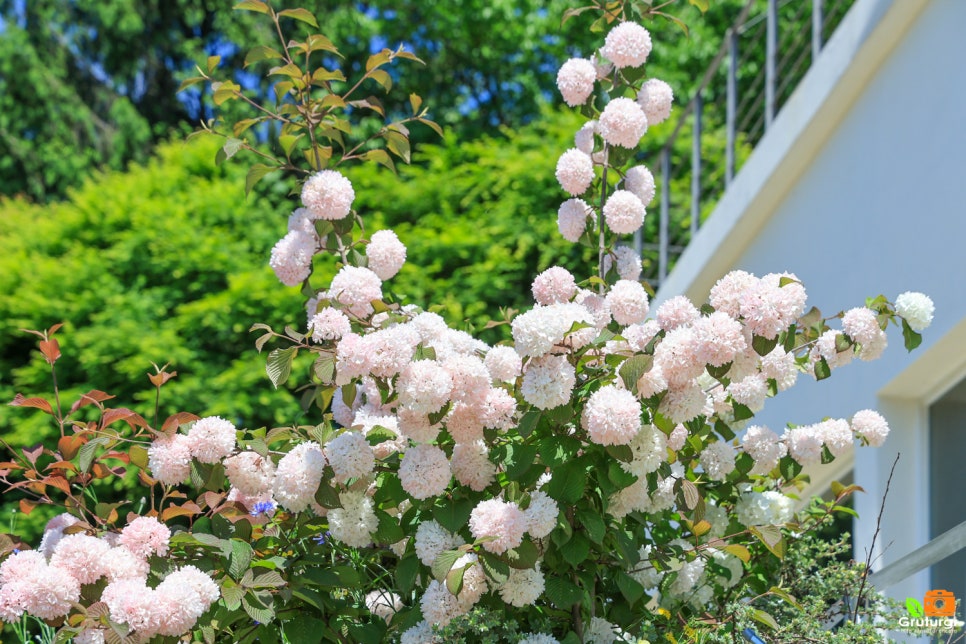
862, 42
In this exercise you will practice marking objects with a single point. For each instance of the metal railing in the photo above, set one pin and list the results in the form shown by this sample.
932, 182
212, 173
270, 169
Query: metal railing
736, 102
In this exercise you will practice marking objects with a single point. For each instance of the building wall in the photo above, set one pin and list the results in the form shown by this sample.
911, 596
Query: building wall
874, 204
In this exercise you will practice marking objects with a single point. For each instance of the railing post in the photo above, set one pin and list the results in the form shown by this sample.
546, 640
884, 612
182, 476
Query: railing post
818, 21
696, 165
732, 105
771, 53
665, 219
639, 241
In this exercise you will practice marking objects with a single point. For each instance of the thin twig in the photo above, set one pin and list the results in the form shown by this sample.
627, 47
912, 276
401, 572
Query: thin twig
875, 535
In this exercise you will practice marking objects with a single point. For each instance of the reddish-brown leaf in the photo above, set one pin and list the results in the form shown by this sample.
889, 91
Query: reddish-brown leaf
27, 506
62, 465
99, 471
36, 403
158, 379
50, 349
59, 483
120, 456
172, 424
212, 499
10, 465
111, 416
183, 511
145, 479
33, 453
70, 445
91, 397
37, 486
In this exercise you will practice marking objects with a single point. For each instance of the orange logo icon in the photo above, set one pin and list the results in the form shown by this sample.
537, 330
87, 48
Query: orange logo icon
939, 603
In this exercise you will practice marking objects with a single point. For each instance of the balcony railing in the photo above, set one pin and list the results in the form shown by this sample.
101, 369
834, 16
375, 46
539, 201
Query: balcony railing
730, 111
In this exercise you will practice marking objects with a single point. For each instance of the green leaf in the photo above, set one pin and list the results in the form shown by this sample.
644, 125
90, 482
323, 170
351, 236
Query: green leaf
822, 370
915, 608
454, 579
255, 174
739, 551
279, 365
630, 588
910, 337
259, 607
519, 458
139, 456
452, 514
304, 628
382, 77
241, 558
88, 450
771, 537
377, 60
523, 556
529, 422
381, 157
567, 483
576, 550
622, 453
260, 53
494, 567
406, 573
762, 617
252, 5
763, 346
562, 592
690, 493
233, 596
268, 579
415, 101
371, 633
300, 14
592, 523
702, 6
787, 596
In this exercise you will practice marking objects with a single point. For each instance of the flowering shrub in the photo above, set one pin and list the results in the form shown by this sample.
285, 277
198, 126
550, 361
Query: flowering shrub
586, 481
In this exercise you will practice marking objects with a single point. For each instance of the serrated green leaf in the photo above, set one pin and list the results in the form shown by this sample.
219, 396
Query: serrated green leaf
86, 454
494, 567
444, 563
576, 550
562, 592
252, 5
302, 15
523, 556
630, 588
910, 338
255, 174
258, 607
739, 551
241, 558
261, 52
762, 617
279, 365
591, 522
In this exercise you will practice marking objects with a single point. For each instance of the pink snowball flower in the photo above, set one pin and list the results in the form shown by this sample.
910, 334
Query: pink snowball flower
627, 301
548, 381
676, 354
575, 171
350, 456
861, 325
329, 324
471, 465
804, 444
623, 212
627, 45
211, 439
622, 123
328, 195
640, 181
719, 338
611, 416
356, 288
836, 435
169, 459
584, 138
684, 404
424, 386
82, 556
870, 427
676, 312
503, 521
656, 99
917, 309
503, 363
291, 257
765, 447
386, 254
298, 475
146, 536
575, 80
556, 284
572, 219
718, 460
425, 471
727, 292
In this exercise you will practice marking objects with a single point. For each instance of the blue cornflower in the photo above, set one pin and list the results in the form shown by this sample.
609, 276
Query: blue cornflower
320, 539
263, 507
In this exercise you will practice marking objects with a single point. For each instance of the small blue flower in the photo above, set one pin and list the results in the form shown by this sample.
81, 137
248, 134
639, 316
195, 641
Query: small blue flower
16, 551
320, 539
263, 507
